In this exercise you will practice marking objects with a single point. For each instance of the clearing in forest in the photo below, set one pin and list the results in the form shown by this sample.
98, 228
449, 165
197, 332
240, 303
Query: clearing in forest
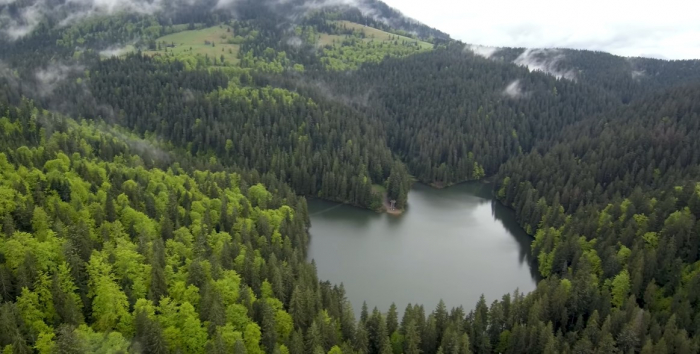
215, 42
355, 44
371, 33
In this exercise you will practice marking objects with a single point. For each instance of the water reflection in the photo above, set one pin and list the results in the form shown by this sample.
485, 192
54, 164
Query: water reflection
452, 244
507, 217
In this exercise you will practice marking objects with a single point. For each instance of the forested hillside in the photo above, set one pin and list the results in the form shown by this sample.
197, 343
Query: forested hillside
452, 118
614, 206
154, 166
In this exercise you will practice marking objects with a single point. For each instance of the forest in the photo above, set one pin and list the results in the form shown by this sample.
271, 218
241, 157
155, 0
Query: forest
153, 194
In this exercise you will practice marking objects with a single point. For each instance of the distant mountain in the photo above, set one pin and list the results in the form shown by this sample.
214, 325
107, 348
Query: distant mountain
624, 75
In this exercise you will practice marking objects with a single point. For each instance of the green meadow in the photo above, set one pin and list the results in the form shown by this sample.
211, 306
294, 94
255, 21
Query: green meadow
213, 43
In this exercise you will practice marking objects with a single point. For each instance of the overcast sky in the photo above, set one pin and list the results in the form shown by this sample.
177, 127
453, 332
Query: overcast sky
668, 29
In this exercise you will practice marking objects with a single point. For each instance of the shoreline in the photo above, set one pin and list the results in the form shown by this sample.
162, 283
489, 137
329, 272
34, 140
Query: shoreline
386, 208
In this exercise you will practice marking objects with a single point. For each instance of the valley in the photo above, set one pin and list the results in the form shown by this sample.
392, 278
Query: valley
204, 177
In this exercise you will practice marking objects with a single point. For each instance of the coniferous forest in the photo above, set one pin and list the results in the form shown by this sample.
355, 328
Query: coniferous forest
155, 167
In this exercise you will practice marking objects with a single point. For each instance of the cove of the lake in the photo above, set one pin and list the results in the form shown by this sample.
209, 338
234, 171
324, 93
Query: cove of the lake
452, 244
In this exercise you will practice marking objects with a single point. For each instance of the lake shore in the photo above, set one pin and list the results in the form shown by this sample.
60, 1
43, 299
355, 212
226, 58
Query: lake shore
378, 257
386, 207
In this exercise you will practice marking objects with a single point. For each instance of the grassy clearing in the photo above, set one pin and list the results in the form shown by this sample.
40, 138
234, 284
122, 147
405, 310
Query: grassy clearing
379, 35
355, 44
371, 34
379, 189
329, 39
213, 42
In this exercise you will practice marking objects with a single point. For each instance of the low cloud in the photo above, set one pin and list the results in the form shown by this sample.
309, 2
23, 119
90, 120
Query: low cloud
114, 51
295, 42
514, 90
547, 61
6, 71
329, 93
90, 8
638, 74
34, 12
482, 51
29, 17
8, 76
24, 23
49, 78
148, 150
224, 4
367, 8
361, 5
358, 96
188, 95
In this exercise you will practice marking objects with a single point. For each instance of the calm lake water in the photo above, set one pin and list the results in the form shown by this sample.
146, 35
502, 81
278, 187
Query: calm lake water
452, 244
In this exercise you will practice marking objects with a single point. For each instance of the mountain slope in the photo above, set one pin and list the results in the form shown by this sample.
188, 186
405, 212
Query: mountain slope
616, 200
102, 253
169, 217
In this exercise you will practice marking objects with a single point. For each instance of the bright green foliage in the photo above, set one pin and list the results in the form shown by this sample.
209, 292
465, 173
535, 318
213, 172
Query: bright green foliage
110, 307
252, 337
64, 268
354, 44
102, 343
40, 224
44, 344
546, 241
46, 253
397, 342
194, 336
566, 284
284, 323
595, 261
228, 286
129, 267
623, 255
259, 196
351, 52
545, 262
651, 239
270, 61
229, 336
30, 310
620, 288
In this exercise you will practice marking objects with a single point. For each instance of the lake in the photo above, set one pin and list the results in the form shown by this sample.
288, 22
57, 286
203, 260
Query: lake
452, 244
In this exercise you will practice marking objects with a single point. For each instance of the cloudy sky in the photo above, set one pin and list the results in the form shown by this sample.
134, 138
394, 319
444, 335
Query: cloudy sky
668, 29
